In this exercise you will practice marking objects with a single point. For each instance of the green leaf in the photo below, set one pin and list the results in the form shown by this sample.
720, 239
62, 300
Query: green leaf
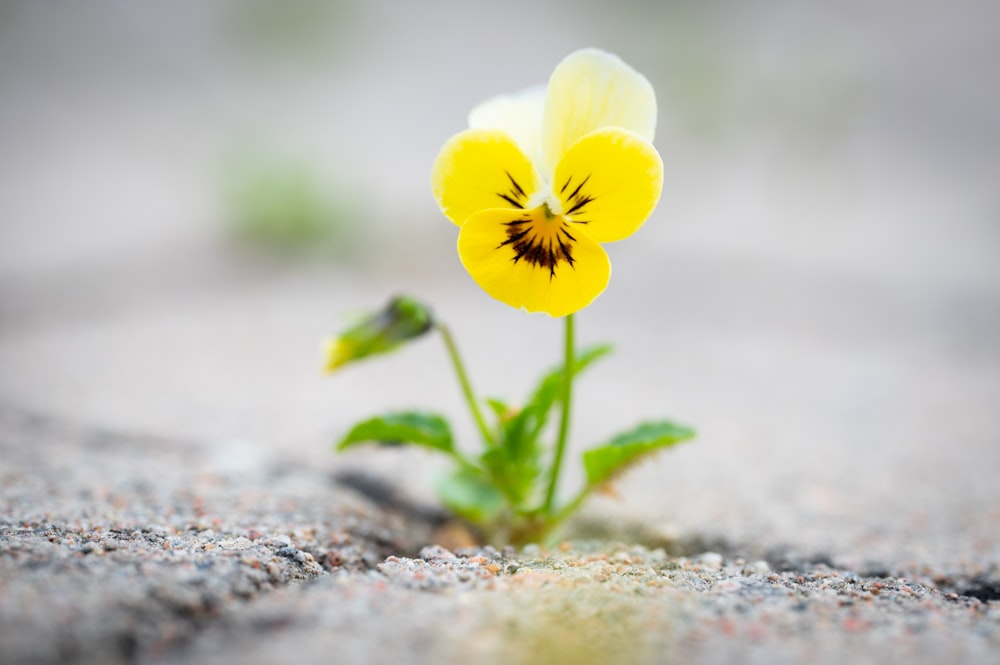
548, 390
513, 464
604, 462
511, 426
499, 407
471, 496
406, 427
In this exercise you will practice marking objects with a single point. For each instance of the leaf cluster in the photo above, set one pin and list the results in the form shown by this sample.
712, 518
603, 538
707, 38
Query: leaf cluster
501, 490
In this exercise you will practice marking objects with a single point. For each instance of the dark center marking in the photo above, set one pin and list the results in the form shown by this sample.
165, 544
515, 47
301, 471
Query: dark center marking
577, 199
515, 195
539, 246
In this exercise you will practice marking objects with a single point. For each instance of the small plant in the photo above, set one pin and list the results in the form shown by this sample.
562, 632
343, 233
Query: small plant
536, 183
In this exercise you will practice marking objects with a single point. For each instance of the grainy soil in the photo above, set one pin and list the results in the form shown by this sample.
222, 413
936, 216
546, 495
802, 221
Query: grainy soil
188, 564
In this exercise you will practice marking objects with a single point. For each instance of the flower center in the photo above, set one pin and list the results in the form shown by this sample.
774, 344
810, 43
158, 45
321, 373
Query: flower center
541, 238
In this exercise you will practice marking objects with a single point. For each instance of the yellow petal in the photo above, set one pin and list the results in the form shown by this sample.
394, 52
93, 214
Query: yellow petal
533, 260
609, 182
591, 89
480, 169
336, 353
520, 115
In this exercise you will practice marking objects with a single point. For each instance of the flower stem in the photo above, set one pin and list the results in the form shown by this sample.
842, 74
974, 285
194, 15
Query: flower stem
463, 379
567, 395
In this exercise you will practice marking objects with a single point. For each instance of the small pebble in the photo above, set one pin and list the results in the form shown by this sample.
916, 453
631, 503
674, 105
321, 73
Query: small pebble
757, 568
712, 560
436, 553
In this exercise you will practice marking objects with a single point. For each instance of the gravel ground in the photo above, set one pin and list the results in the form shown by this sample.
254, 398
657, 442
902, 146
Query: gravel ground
190, 561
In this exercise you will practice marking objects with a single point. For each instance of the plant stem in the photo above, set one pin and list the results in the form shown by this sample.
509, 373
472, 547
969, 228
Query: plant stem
567, 396
463, 379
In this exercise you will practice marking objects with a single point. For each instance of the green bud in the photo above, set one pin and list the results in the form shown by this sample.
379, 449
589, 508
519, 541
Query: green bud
402, 319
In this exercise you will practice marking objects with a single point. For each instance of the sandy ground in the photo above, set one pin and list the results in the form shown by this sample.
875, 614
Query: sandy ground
192, 562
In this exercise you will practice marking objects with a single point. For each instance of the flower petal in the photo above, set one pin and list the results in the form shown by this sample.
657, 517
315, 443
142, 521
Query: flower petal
591, 89
609, 181
520, 115
533, 261
479, 169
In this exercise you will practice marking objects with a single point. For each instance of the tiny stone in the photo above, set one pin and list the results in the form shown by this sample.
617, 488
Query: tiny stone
757, 568
711, 560
621, 557
241, 543
436, 553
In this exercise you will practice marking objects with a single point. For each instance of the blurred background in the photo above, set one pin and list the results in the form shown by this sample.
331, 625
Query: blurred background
193, 194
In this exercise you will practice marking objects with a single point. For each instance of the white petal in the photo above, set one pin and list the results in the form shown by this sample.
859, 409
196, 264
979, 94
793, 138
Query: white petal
591, 89
519, 115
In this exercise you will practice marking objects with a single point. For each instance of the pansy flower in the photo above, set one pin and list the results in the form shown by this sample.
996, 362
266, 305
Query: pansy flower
543, 177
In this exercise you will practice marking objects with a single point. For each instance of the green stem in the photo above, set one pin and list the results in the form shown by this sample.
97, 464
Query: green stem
463, 379
464, 462
567, 396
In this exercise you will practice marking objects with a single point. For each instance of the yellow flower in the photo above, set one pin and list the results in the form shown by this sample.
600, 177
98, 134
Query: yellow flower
542, 177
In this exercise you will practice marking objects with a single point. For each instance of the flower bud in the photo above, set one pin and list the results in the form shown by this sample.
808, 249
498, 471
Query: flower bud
401, 320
